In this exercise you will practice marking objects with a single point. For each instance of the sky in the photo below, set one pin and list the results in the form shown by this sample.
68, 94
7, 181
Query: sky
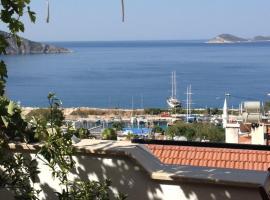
100, 20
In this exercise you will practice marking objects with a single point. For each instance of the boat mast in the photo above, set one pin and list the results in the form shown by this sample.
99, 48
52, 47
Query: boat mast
175, 85
141, 101
189, 102
172, 85
132, 106
187, 106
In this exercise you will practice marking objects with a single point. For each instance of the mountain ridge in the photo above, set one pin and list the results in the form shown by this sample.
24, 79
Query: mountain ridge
30, 47
229, 38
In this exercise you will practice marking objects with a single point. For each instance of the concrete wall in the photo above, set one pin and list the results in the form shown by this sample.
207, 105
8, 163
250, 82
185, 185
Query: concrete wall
129, 178
257, 135
129, 175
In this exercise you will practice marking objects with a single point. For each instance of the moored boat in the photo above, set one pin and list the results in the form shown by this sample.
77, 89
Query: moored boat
172, 101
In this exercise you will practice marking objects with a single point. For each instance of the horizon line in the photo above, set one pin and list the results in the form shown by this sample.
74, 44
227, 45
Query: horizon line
139, 40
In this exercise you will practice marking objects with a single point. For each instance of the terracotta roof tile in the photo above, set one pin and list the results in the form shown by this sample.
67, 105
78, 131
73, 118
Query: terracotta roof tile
212, 157
174, 154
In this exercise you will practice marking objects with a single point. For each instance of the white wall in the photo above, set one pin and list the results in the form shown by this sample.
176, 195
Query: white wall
232, 133
128, 177
257, 135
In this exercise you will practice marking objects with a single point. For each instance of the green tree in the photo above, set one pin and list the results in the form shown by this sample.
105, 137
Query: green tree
118, 126
267, 106
152, 111
196, 131
57, 153
18, 173
215, 111
206, 131
109, 134
171, 132
82, 133
43, 114
157, 129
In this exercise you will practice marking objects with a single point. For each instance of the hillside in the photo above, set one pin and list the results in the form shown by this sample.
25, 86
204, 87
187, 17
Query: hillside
30, 47
227, 38
261, 38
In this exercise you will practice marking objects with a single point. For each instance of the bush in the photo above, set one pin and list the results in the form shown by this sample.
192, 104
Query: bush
86, 112
82, 133
131, 136
152, 111
44, 114
109, 134
196, 131
210, 132
118, 126
157, 129
178, 111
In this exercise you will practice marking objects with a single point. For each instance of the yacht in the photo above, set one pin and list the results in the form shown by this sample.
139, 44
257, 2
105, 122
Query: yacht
172, 101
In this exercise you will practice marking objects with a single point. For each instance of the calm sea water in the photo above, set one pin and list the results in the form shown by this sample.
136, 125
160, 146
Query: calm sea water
110, 74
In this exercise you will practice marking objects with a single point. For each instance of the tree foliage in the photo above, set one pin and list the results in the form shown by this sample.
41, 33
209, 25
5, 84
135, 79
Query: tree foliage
118, 126
267, 106
109, 134
82, 133
44, 115
18, 172
196, 131
157, 129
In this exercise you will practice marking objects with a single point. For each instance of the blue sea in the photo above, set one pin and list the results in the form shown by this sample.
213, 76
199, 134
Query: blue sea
111, 74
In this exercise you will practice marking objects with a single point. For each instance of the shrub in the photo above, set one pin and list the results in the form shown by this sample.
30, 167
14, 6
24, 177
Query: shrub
86, 112
118, 126
109, 134
157, 129
152, 111
200, 131
131, 136
44, 114
82, 133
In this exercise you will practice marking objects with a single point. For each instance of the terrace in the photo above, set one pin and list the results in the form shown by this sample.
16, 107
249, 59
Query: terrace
167, 169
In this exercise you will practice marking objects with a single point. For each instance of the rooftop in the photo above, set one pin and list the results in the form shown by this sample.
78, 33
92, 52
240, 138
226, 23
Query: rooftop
212, 157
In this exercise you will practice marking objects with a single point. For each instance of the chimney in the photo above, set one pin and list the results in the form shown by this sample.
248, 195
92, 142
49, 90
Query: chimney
257, 134
232, 133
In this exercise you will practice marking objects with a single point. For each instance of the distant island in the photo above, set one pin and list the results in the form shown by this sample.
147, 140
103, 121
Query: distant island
228, 38
30, 47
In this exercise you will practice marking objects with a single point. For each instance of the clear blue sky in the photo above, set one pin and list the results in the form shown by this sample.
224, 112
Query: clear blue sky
90, 20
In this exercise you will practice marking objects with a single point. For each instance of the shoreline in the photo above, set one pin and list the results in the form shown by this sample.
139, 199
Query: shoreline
91, 113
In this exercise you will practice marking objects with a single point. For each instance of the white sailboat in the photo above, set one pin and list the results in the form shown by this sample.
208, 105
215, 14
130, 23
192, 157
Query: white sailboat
172, 101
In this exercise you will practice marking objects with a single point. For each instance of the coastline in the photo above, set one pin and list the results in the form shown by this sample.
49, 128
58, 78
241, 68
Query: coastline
90, 113
94, 114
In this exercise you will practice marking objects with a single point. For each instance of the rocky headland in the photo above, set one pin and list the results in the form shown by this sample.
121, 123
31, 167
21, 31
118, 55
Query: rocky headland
228, 38
30, 47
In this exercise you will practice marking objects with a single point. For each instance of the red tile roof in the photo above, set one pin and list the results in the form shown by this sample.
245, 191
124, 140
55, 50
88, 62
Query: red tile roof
212, 157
